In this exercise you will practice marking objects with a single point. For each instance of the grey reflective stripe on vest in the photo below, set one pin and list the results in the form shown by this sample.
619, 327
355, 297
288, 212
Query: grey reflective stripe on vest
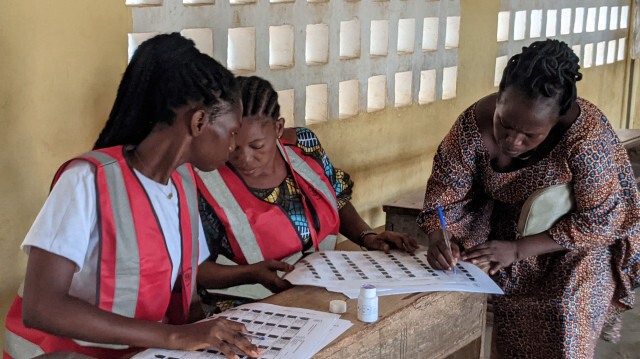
19, 348
253, 291
125, 296
192, 204
305, 171
329, 243
238, 221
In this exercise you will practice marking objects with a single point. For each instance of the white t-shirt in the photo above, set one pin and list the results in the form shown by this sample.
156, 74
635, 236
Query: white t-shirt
67, 225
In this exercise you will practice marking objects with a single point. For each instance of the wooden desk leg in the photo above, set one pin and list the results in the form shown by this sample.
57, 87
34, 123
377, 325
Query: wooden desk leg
475, 349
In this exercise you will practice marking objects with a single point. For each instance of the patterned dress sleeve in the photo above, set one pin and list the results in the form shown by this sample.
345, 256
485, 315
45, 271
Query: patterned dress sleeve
603, 186
340, 180
451, 185
214, 232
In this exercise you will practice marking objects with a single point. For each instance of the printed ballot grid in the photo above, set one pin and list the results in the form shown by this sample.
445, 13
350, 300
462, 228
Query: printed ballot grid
281, 332
374, 266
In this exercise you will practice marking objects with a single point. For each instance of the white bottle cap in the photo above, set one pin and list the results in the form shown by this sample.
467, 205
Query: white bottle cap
368, 291
338, 306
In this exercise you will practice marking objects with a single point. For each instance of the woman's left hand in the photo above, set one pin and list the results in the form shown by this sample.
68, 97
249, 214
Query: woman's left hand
500, 254
388, 240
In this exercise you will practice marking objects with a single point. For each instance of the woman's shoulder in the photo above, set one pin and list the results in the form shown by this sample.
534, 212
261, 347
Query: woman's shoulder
304, 139
482, 111
591, 124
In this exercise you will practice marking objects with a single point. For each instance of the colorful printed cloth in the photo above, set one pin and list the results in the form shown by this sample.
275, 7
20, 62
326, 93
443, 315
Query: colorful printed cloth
286, 196
555, 304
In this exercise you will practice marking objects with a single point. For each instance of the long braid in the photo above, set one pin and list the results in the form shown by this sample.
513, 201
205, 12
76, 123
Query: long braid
546, 68
258, 98
165, 73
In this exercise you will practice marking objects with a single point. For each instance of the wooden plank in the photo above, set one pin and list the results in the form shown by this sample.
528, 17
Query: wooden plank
629, 137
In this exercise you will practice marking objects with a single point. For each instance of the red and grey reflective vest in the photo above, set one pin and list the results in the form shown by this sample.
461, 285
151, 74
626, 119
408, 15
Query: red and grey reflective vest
258, 230
134, 268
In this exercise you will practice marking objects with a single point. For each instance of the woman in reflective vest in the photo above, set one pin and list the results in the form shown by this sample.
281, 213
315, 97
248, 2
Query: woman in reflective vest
114, 252
278, 197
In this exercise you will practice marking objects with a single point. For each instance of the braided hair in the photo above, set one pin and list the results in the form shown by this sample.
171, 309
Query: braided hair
258, 98
166, 72
546, 68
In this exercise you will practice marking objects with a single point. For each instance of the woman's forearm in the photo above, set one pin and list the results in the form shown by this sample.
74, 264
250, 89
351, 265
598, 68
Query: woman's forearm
48, 307
351, 224
212, 275
536, 244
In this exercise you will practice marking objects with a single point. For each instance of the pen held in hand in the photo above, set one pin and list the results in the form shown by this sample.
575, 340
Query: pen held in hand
445, 233
254, 336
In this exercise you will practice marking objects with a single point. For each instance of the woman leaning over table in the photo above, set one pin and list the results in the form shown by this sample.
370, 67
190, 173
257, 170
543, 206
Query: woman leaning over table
563, 284
114, 252
278, 196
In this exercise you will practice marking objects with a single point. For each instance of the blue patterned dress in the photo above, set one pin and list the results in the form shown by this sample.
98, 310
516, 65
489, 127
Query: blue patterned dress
554, 304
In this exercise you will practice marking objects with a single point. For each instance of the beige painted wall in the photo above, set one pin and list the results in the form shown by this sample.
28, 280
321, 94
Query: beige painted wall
60, 64
59, 69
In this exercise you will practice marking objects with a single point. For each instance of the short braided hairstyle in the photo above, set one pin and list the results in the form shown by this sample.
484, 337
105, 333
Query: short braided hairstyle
166, 72
546, 68
258, 98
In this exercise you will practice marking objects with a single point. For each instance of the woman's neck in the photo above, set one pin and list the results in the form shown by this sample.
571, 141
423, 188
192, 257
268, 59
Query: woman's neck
157, 156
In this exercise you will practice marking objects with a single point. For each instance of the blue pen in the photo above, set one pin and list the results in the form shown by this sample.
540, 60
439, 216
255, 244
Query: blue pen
443, 224
254, 336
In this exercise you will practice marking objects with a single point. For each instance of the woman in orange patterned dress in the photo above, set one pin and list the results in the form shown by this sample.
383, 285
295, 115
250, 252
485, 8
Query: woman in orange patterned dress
560, 285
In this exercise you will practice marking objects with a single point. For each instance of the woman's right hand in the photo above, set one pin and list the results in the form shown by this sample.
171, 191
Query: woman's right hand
438, 254
266, 273
219, 333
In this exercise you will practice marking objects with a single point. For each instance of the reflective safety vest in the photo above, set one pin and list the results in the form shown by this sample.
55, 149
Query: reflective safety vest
134, 269
258, 230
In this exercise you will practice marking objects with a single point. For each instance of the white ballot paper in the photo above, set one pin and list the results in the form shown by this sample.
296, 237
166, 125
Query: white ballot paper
288, 332
393, 273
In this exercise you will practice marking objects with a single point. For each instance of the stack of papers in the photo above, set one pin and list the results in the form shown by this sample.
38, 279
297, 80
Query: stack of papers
394, 273
288, 332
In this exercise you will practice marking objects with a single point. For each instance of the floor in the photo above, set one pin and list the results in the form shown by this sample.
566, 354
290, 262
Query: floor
627, 348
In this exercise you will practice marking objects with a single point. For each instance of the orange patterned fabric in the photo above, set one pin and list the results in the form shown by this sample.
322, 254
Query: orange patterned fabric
554, 304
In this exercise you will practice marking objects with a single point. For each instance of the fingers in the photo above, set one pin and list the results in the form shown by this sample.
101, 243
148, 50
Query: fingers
277, 284
455, 254
280, 266
495, 267
410, 244
447, 253
230, 333
385, 247
405, 243
227, 351
244, 344
393, 240
477, 252
436, 259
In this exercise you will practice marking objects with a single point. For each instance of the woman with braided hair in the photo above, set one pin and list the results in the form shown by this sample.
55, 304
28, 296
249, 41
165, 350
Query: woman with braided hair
563, 284
114, 252
278, 197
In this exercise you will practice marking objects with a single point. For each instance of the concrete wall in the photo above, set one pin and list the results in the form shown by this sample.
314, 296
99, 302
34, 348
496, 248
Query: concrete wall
60, 63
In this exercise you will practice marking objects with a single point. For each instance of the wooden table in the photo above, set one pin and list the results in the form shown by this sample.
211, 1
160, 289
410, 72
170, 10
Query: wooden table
420, 325
402, 214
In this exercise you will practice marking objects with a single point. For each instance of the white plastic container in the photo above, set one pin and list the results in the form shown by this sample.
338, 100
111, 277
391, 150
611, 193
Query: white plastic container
368, 304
